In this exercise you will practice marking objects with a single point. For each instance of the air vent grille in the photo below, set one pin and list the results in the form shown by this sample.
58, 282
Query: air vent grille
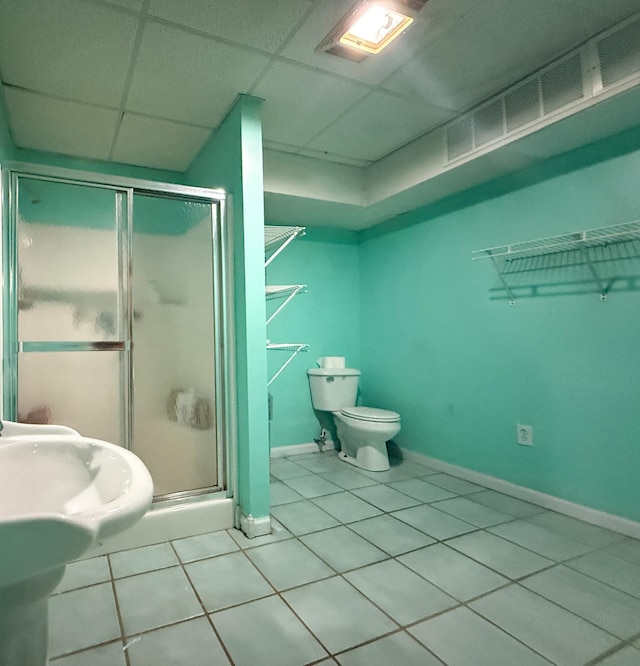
459, 138
619, 54
572, 82
562, 84
488, 123
522, 105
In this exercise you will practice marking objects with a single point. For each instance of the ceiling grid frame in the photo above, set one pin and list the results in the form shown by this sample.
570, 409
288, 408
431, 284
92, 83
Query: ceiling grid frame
438, 25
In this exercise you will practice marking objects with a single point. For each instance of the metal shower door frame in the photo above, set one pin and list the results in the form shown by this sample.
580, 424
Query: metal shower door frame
124, 190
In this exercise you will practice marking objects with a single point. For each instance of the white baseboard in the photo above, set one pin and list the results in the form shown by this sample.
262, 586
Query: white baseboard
295, 449
585, 513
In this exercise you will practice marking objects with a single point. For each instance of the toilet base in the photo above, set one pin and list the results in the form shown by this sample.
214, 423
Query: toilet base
372, 460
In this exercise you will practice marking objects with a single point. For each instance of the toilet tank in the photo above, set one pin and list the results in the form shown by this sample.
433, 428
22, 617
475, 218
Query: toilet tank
333, 389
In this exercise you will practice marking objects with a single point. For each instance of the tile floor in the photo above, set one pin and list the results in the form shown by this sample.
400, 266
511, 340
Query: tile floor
409, 567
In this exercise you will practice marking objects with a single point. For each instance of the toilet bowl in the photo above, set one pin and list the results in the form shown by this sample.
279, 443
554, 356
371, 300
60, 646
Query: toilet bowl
362, 432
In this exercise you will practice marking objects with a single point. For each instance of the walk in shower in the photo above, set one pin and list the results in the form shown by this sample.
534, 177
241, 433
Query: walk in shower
114, 315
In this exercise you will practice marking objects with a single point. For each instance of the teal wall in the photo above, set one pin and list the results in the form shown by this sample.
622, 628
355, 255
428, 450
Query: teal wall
232, 159
326, 318
463, 367
6, 143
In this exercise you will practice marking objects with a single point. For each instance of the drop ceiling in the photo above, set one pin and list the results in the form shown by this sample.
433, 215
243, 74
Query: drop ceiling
145, 82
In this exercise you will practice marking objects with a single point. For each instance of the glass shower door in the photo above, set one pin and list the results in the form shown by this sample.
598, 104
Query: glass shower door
69, 292
112, 321
174, 416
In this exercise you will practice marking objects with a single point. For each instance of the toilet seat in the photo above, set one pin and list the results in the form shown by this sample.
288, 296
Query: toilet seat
371, 414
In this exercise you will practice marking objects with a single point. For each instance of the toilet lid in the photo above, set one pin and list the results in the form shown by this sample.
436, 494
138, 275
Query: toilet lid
371, 414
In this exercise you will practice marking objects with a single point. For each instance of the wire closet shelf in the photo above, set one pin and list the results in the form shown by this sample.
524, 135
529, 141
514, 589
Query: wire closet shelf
276, 239
581, 241
600, 237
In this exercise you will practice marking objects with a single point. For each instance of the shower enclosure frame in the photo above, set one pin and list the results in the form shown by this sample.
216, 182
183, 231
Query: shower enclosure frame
124, 189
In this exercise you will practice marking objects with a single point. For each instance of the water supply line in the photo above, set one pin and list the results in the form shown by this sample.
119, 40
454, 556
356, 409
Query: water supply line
321, 441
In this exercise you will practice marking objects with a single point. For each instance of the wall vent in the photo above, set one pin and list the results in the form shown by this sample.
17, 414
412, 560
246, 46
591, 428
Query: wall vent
459, 138
554, 92
619, 54
488, 123
522, 105
562, 84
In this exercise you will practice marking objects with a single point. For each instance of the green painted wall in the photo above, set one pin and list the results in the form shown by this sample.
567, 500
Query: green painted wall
6, 142
232, 159
326, 318
463, 367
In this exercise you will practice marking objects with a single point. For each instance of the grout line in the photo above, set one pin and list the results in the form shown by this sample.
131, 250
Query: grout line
54, 660
135, 50
504, 631
123, 637
201, 602
279, 594
401, 628
616, 648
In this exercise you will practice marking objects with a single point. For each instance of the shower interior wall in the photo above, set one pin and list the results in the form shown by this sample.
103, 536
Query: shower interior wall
437, 341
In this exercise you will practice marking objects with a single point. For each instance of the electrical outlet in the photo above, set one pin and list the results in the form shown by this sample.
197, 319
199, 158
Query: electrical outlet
524, 434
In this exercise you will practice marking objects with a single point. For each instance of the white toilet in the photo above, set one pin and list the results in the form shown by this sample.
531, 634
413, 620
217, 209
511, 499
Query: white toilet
363, 431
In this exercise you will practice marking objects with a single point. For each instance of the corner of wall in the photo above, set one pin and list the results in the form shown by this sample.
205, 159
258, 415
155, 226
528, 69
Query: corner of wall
232, 160
7, 147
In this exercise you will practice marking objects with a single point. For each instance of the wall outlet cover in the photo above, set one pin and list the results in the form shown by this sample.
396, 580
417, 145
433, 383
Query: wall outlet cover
524, 434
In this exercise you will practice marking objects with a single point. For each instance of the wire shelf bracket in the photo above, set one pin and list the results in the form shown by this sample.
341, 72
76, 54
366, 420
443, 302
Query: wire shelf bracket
288, 292
293, 348
276, 239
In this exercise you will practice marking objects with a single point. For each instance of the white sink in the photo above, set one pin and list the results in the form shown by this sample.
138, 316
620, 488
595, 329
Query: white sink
59, 494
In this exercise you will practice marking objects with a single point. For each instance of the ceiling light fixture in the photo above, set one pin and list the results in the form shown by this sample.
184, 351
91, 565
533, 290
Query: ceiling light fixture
369, 27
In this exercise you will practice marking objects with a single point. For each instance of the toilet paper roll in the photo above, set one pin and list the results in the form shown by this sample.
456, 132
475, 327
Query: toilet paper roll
332, 362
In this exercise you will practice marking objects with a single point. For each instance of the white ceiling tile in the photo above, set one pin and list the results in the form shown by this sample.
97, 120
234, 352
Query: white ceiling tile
261, 24
59, 126
288, 116
67, 48
158, 143
321, 156
275, 145
594, 15
184, 77
496, 44
330, 157
136, 5
377, 125
197, 55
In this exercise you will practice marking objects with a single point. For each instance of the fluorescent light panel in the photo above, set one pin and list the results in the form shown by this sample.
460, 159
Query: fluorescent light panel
369, 27
375, 28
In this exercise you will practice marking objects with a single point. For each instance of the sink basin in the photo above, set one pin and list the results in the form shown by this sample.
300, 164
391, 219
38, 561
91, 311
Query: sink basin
59, 494
66, 492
